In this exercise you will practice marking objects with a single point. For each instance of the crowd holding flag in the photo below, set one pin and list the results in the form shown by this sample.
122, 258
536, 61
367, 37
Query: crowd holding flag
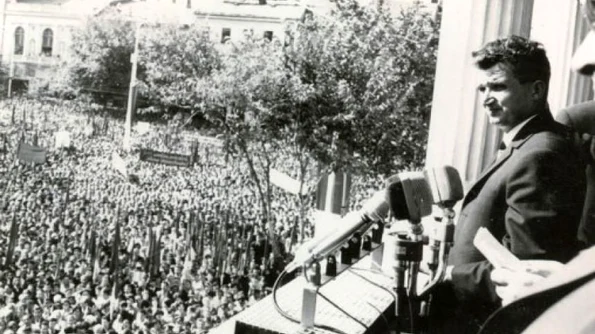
181, 236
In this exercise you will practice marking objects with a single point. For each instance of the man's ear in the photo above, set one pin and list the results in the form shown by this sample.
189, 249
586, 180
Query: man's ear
539, 90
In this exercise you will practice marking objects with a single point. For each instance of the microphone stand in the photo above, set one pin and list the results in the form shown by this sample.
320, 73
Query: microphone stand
408, 256
411, 306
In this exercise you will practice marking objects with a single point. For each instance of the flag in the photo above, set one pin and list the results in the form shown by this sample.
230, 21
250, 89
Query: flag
150, 251
96, 268
286, 182
332, 194
31, 153
154, 253
190, 256
119, 164
113, 299
12, 242
36, 138
114, 264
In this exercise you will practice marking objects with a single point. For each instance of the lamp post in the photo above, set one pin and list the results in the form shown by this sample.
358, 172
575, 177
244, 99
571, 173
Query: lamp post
10, 77
126, 145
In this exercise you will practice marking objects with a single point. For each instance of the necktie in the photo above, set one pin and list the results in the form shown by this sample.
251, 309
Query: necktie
501, 149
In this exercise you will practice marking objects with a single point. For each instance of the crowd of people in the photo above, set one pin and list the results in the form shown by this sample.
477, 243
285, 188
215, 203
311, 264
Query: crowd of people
78, 240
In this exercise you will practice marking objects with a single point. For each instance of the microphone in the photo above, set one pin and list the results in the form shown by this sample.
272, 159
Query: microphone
409, 196
445, 184
373, 210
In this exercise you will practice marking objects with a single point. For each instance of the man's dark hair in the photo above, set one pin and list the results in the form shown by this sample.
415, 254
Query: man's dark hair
526, 59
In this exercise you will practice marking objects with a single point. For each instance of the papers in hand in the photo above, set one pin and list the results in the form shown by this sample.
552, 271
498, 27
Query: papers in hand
498, 255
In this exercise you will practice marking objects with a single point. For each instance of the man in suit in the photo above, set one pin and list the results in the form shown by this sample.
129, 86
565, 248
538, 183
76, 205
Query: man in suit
548, 296
530, 198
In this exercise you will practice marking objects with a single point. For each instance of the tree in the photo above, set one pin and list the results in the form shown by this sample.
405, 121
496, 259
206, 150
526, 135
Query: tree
101, 54
242, 98
175, 59
370, 77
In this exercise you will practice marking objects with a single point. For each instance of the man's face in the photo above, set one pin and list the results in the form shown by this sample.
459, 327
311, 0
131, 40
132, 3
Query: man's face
507, 102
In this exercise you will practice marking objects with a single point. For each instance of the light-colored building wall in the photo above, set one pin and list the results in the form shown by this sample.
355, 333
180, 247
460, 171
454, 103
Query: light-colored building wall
61, 16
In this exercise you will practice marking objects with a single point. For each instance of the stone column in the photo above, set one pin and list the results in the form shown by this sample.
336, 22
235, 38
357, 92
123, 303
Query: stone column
560, 26
460, 135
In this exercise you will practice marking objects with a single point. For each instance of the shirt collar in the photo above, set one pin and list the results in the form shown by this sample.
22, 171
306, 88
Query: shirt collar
507, 137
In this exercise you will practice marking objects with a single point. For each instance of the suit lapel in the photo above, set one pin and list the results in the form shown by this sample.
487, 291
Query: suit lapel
537, 124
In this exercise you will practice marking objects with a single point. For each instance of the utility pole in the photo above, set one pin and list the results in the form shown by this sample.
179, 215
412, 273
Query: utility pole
10, 77
126, 145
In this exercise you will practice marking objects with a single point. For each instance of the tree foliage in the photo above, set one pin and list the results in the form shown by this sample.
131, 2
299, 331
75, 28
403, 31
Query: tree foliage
370, 79
348, 89
242, 98
101, 53
175, 59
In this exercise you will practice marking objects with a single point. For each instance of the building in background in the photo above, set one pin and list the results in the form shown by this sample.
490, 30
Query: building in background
36, 34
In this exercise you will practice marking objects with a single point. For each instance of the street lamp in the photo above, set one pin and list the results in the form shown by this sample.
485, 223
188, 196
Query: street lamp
132, 92
145, 13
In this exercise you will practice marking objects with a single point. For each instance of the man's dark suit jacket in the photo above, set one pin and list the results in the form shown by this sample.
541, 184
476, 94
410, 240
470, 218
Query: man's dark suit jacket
531, 200
581, 118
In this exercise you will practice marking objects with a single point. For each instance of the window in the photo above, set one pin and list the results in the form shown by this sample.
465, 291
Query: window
262, 2
19, 41
48, 42
225, 34
268, 35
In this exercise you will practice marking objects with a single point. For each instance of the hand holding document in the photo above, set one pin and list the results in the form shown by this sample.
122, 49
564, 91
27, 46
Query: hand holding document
511, 275
498, 255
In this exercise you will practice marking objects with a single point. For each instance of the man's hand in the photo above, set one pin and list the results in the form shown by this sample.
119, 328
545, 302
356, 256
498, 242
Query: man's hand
586, 146
511, 285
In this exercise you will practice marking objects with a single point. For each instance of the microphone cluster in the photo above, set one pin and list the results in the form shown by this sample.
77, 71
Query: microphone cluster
407, 196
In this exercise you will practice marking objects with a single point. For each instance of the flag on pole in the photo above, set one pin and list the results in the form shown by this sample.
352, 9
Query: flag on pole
96, 267
150, 251
113, 300
190, 256
332, 194
114, 264
36, 138
12, 242
119, 164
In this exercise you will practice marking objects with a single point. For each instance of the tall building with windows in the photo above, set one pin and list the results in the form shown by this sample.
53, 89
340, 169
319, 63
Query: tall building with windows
35, 34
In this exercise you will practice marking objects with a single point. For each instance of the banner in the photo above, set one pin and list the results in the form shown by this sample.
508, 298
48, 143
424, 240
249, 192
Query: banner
30, 153
286, 182
170, 159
